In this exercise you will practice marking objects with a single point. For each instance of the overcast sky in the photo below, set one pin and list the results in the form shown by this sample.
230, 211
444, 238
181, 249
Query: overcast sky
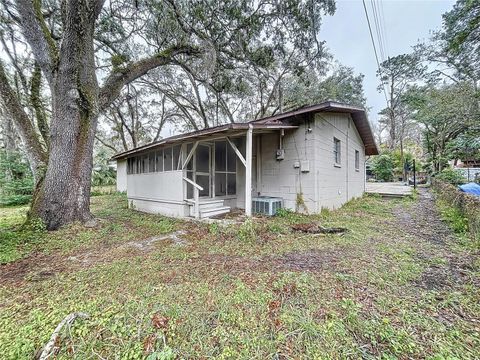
405, 22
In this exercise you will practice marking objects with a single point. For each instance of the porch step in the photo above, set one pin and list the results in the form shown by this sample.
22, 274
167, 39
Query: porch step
209, 207
206, 213
210, 204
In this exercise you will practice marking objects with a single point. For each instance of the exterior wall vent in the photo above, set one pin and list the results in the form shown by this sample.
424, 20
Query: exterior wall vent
266, 205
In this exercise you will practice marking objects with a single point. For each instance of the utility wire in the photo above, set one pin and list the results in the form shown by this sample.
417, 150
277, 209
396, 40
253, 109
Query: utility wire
374, 47
378, 30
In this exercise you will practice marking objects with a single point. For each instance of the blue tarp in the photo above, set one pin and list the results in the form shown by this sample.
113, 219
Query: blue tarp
471, 188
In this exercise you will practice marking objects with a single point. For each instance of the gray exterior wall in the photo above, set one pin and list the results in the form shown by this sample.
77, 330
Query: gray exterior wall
337, 185
324, 185
122, 175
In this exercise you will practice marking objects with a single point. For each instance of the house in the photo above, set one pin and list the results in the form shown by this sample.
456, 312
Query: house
305, 160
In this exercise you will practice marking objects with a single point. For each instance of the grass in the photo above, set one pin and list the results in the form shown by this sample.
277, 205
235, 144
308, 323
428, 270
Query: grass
250, 291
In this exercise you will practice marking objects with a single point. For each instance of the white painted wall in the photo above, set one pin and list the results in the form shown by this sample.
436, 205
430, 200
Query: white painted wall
122, 175
158, 192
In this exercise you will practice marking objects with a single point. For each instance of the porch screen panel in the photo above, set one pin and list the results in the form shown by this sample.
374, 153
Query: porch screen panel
202, 159
190, 163
159, 160
151, 162
176, 156
220, 156
225, 169
167, 159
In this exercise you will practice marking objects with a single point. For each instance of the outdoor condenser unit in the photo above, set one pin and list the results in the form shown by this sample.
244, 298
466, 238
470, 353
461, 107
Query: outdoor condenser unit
266, 205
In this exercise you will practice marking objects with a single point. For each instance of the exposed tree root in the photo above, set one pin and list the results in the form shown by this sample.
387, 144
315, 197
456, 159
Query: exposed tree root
50, 346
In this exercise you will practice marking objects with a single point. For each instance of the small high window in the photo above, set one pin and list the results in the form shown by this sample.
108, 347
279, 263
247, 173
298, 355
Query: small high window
357, 160
337, 151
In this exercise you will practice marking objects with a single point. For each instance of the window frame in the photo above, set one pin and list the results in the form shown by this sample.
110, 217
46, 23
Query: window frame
357, 160
337, 152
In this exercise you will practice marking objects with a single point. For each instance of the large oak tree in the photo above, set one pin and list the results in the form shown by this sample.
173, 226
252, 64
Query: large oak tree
85, 53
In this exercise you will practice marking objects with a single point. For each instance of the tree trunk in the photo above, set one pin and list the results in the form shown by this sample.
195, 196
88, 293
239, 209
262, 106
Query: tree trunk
64, 195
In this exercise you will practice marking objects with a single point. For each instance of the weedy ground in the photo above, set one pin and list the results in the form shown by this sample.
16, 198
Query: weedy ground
399, 283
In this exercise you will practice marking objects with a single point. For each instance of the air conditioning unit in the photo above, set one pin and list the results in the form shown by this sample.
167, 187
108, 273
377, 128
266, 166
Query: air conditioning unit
266, 205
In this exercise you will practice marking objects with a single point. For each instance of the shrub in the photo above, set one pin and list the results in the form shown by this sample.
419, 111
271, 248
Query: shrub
16, 179
382, 167
466, 214
451, 176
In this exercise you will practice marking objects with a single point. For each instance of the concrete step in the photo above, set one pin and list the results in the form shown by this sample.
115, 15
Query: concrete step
210, 204
205, 213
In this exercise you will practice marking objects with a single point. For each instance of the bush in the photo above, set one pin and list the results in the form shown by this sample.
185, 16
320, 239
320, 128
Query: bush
382, 167
16, 179
451, 176
465, 215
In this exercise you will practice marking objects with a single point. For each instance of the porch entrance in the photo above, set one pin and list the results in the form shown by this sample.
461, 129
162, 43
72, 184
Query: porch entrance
213, 167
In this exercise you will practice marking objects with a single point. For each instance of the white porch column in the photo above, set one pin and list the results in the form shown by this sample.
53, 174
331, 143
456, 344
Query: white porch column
248, 172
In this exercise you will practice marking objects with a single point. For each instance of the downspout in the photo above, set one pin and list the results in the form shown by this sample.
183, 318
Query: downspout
365, 171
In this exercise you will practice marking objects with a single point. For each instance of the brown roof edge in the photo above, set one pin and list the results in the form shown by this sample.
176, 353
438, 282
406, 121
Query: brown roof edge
203, 132
275, 122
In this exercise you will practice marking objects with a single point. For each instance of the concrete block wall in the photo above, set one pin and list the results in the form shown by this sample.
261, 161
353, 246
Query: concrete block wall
337, 184
280, 178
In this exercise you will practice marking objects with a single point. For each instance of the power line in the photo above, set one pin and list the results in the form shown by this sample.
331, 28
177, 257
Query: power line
378, 30
374, 47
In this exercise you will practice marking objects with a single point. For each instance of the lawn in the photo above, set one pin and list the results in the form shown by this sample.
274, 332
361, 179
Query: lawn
397, 284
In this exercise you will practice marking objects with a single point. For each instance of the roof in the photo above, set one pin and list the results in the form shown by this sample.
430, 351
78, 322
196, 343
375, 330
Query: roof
269, 123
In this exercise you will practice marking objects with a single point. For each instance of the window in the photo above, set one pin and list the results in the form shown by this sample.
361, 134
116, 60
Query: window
337, 151
357, 160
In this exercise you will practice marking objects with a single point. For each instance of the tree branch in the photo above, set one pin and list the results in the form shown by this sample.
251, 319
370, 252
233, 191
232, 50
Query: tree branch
38, 35
123, 76
35, 151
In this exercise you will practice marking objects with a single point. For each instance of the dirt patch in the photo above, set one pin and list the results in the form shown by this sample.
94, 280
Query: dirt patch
423, 221
39, 266
36, 267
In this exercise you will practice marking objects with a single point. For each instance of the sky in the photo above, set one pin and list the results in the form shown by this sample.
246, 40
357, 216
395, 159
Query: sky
406, 22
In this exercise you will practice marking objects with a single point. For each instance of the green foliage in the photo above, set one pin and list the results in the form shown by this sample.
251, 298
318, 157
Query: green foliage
17, 239
16, 179
247, 232
454, 217
103, 173
285, 213
451, 176
383, 166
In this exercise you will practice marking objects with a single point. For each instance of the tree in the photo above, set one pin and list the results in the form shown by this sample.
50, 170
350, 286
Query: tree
455, 49
382, 167
86, 54
445, 113
395, 75
311, 87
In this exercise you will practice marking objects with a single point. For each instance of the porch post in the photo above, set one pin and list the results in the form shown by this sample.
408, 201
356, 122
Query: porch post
248, 172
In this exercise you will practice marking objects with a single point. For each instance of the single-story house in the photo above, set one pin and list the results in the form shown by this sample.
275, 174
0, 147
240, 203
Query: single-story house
305, 160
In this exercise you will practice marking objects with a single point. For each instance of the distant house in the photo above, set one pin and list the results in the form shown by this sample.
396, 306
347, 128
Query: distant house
305, 160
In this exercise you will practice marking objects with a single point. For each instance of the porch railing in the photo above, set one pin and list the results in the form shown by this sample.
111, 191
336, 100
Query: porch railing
196, 196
